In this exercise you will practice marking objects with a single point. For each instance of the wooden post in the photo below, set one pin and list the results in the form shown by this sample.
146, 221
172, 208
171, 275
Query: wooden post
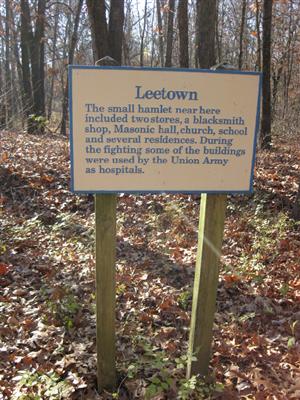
105, 214
105, 209
210, 236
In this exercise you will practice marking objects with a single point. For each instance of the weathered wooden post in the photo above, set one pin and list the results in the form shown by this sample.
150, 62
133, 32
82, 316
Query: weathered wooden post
210, 237
105, 215
211, 226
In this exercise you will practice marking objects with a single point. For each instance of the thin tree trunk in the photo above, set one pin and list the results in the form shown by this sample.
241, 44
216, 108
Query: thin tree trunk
170, 31
143, 36
37, 61
218, 39
183, 33
50, 99
160, 33
257, 23
63, 129
97, 17
265, 138
242, 28
26, 39
205, 33
8, 87
296, 207
115, 29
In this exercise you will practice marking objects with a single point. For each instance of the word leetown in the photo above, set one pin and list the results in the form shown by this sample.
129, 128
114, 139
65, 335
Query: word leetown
162, 138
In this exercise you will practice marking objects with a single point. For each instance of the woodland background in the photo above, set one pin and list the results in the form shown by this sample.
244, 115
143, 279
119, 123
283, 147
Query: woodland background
47, 300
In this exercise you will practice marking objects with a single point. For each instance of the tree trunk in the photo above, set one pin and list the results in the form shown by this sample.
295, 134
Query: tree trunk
183, 33
205, 33
143, 36
170, 30
257, 24
8, 86
265, 138
242, 28
55, 29
33, 53
296, 208
63, 128
160, 33
37, 61
26, 38
115, 30
97, 17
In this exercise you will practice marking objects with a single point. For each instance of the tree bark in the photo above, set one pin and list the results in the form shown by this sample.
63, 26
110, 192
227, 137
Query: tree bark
296, 208
8, 87
183, 33
242, 28
265, 136
55, 29
115, 30
257, 23
205, 33
143, 36
37, 61
160, 33
63, 128
170, 33
97, 17
26, 39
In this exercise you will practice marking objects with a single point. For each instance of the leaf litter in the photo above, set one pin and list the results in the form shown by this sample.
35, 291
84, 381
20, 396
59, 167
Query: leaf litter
47, 297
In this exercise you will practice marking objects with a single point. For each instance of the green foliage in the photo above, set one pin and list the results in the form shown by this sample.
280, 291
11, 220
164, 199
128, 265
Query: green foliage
184, 299
2, 248
41, 386
63, 310
38, 121
165, 374
120, 289
268, 230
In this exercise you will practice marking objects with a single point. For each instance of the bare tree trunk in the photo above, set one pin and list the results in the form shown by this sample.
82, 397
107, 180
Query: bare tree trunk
8, 86
63, 128
160, 33
55, 28
296, 207
26, 38
143, 36
242, 28
265, 138
218, 35
183, 33
115, 29
170, 30
97, 17
257, 24
276, 76
152, 38
205, 33
37, 61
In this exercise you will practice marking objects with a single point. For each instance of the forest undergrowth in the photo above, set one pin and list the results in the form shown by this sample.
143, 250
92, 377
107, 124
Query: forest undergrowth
47, 289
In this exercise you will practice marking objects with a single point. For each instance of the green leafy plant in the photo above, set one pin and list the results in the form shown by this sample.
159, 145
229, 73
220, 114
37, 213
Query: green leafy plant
41, 386
38, 121
164, 373
63, 309
184, 299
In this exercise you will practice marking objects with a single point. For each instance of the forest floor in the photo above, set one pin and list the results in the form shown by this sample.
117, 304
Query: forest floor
47, 289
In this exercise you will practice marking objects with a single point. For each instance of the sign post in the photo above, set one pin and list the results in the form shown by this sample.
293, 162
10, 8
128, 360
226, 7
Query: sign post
105, 243
211, 228
149, 130
210, 237
105, 210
